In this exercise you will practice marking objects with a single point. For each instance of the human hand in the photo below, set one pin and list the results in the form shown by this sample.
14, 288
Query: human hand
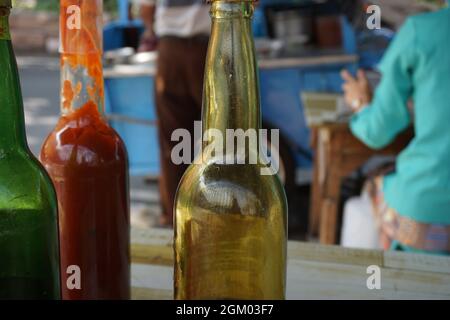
149, 42
357, 91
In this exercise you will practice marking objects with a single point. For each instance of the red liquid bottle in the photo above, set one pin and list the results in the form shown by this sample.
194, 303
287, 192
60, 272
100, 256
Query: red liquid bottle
87, 162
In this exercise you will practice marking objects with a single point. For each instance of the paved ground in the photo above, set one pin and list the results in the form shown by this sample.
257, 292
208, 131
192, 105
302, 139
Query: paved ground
40, 89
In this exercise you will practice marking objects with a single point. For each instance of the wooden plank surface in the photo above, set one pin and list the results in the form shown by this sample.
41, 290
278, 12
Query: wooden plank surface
152, 247
314, 271
418, 262
306, 61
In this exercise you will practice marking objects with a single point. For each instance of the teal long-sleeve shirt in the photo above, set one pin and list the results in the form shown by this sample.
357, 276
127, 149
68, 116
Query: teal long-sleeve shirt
417, 67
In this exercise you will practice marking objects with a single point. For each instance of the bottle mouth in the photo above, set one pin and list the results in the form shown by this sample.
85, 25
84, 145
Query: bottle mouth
81, 24
232, 9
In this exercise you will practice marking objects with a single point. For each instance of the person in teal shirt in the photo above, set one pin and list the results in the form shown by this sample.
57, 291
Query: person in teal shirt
412, 203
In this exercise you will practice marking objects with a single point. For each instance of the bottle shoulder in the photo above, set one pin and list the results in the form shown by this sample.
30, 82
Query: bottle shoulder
24, 182
19, 161
253, 174
232, 189
83, 144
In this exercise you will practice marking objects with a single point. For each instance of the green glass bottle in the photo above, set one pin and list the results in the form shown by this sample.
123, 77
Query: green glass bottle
29, 250
230, 219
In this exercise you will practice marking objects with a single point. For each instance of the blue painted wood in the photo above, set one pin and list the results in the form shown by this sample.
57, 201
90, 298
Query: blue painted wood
123, 11
282, 106
349, 36
134, 98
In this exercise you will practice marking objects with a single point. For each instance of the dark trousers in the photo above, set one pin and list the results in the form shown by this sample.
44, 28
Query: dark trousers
179, 87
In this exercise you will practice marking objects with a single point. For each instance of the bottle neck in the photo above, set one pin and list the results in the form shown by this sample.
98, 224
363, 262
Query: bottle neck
81, 55
12, 123
231, 95
81, 82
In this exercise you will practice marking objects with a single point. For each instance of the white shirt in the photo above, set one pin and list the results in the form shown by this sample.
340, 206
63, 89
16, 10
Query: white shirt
182, 18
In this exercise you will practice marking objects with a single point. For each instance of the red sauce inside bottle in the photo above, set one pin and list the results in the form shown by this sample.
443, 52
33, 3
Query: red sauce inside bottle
87, 162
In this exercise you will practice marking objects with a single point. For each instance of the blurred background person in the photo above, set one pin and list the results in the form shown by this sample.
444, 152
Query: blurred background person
182, 29
412, 203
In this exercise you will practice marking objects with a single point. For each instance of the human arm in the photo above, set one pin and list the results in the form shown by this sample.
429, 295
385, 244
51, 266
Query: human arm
378, 121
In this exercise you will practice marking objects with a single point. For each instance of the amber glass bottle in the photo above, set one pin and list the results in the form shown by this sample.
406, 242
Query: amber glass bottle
231, 221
